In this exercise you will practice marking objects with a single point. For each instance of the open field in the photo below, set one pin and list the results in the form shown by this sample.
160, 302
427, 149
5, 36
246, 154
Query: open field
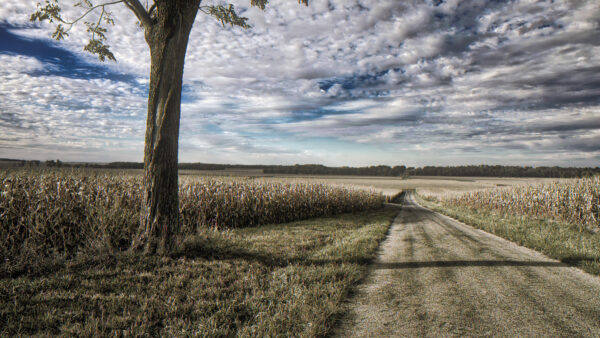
430, 186
237, 276
389, 186
276, 280
436, 277
49, 213
565, 229
574, 201
559, 219
63, 270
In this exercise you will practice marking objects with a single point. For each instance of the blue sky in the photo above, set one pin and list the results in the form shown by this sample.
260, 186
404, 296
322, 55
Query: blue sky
341, 82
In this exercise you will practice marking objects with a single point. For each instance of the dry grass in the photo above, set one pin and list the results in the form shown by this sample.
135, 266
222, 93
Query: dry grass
428, 186
64, 270
277, 280
574, 201
58, 213
559, 219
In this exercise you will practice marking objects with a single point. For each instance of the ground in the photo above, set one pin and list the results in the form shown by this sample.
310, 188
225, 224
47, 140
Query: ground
435, 276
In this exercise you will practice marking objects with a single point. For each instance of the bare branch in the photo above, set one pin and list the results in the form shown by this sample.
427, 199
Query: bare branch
152, 9
90, 9
140, 12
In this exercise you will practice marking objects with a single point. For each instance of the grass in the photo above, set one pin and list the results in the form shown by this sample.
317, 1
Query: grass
576, 201
56, 213
560, 240
276, 280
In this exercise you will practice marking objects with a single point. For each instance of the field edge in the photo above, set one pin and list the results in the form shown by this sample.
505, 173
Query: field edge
559, 240
273, 280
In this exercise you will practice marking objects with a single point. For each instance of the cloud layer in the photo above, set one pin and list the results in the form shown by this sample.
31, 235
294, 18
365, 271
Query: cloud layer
338, 82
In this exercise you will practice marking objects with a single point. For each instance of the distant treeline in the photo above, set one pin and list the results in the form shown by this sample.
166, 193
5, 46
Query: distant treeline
182, 166
318, 169
469, 170
508, 171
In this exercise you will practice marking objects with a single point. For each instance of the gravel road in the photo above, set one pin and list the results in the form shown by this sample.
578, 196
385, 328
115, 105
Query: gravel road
438, 277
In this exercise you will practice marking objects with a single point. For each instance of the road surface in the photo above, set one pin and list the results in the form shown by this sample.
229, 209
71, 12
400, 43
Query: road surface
438, 277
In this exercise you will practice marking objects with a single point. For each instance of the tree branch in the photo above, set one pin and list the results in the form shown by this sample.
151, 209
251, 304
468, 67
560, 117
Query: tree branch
140, 12
226, 15
53, 12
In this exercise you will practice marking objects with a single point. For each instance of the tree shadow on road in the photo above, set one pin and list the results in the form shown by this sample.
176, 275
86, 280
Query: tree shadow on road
464, 263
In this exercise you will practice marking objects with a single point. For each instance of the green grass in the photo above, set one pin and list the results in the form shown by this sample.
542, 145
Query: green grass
277, 280
560, 240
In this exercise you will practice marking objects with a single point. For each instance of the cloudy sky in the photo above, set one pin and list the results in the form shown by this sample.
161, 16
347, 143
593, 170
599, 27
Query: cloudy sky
341, 82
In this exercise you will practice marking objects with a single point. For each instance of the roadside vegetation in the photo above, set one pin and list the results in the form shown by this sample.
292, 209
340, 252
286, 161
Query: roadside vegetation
50, 214
560, 219
239, 268
275, 280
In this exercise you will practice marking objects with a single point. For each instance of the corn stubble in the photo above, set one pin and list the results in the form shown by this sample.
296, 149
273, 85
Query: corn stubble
50, 213
574, 201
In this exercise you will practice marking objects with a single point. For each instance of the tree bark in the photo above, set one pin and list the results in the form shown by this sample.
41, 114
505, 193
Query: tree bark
168, 39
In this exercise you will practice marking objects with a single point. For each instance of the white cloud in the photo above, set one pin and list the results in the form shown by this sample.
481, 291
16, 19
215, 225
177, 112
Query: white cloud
467, 76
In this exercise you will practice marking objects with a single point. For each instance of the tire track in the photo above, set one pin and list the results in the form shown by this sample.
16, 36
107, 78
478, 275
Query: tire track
438, 277
529, 278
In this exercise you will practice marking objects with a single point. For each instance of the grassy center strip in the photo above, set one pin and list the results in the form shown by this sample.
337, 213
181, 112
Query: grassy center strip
285, 279
557, 239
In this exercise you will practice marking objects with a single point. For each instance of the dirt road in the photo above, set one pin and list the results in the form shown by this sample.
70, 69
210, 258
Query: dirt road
438, 277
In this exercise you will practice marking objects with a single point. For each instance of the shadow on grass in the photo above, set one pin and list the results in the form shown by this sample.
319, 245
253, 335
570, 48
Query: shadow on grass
226, 251
214, 249
579, 259
200, 248
211, 251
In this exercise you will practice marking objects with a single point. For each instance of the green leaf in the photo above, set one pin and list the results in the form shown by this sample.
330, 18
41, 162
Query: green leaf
49, 12
97, 47
227, 15
263, 3
259, 3
60, 33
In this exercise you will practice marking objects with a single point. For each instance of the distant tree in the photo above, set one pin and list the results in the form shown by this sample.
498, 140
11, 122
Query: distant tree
167, 25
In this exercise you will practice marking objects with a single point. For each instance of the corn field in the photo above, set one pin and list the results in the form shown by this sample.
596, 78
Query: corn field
575, 201
53, 212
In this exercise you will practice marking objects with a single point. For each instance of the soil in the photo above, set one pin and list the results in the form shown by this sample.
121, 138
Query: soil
435, 276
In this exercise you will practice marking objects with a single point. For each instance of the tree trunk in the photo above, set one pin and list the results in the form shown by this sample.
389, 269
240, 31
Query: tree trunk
168, 39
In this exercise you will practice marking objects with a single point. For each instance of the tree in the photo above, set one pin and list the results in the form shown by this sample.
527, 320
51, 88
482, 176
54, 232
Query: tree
167, 25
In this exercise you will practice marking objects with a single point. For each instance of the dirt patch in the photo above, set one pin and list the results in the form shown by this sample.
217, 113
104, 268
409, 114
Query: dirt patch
435, 276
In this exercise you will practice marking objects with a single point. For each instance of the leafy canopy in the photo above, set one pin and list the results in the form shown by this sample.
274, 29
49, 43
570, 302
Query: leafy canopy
51, 11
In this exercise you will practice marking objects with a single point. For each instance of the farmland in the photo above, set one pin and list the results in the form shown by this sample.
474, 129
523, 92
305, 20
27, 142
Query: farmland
246, 263
274, 280
389, 186
560, 218
577, 201
257, 255
62, 212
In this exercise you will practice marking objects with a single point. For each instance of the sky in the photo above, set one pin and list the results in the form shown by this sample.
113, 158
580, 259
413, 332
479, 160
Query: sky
339, 83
